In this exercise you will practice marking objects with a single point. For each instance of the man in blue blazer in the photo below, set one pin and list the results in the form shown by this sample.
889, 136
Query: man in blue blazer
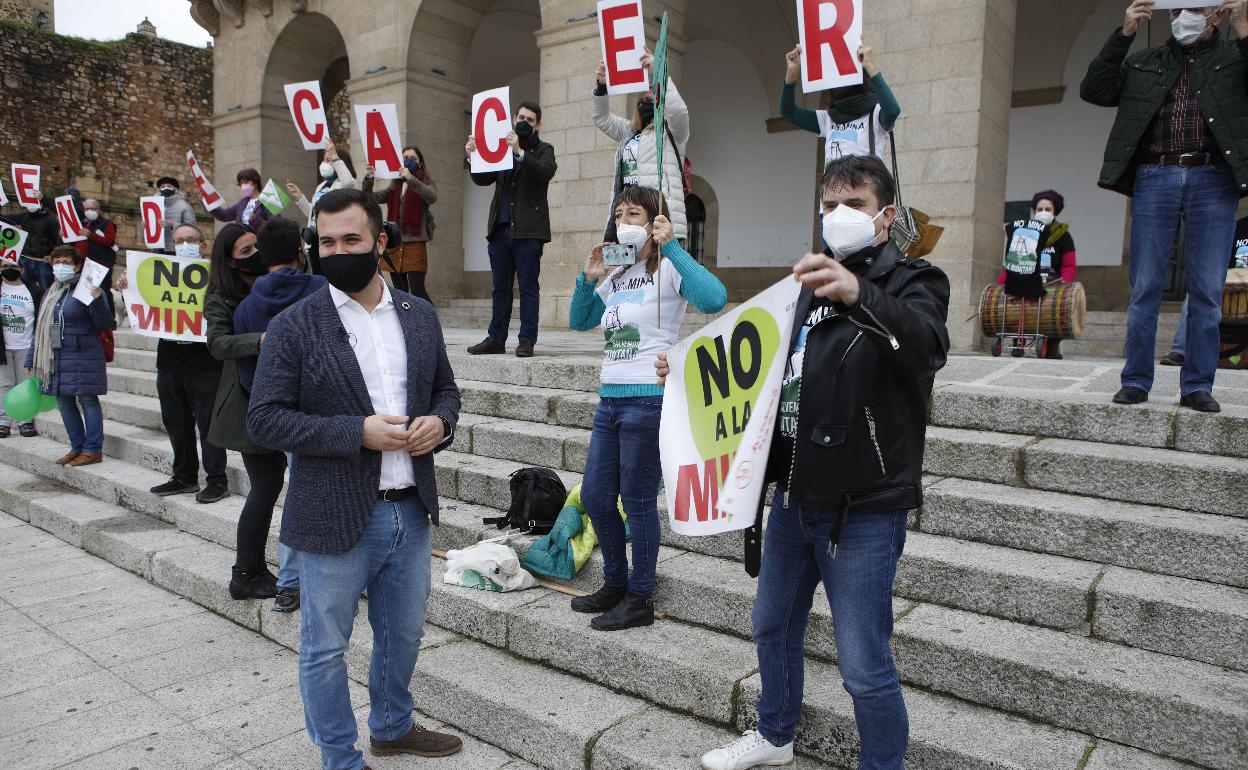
355, 381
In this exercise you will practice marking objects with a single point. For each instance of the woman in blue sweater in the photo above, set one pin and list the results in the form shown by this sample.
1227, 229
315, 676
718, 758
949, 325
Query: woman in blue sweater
640, 307
860, 119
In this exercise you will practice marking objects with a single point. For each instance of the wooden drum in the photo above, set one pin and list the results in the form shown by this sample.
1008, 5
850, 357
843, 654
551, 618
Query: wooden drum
1060, 314
1235, 304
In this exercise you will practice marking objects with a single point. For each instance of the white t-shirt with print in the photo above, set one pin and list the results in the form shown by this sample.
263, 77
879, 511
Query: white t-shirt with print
852, 138
631, 326
629, 174
17, 315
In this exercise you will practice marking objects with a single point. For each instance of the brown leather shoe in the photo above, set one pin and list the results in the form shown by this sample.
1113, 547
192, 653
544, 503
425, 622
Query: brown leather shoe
68, 458
419, 741
487, 346
524, 349
86, 458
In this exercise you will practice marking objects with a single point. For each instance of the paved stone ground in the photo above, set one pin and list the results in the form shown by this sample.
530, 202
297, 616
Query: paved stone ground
101, 670
1073, 375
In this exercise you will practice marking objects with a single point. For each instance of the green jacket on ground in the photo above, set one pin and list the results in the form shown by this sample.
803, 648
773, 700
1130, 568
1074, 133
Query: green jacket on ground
1137, 85
564, 550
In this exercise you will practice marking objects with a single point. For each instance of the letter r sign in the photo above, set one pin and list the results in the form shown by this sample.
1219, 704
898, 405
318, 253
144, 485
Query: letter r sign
830, 32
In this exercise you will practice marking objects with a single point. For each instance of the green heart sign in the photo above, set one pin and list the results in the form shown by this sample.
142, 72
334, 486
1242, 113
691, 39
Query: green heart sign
164, 283
723, 378
11, 241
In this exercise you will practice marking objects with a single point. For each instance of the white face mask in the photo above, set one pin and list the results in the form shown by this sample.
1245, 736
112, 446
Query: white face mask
631, 235
186, 250
63, 273
92, 215
1188, 26
327, 171
1044, 217
848, 231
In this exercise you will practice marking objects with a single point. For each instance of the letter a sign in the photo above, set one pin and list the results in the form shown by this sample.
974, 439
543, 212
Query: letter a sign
307, 109
379, 131
830, 33
622, 33
491, 122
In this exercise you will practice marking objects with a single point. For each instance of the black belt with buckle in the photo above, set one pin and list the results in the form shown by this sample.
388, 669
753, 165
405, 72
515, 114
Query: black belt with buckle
1186, 160
397, 495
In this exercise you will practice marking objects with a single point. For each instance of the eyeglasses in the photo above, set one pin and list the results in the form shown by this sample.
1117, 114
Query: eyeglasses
193, 239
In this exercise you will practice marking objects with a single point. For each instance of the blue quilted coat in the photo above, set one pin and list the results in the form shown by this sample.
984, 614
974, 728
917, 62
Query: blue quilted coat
78, 368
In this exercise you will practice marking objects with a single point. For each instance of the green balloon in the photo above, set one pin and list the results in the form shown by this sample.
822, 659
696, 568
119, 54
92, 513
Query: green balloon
47, 403
23, 400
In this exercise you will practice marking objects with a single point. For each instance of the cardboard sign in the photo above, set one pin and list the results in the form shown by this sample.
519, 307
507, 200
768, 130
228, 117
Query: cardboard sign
151, 211
379, 132
491, 122
830, 32
93, 274
274, 198
622, 38
164, 296
719, 412
26, 185
72, 230
12, 241
207, 193
1171, 4
4, 199
307, 109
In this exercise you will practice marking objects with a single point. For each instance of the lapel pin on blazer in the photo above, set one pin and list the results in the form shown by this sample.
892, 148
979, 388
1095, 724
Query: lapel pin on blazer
406, 305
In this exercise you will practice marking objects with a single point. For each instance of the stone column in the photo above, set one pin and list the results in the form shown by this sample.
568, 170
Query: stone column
951, 65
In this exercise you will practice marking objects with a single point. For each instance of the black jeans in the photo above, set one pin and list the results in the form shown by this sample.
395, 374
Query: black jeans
186, 395
515, 261
413, 283
266, 472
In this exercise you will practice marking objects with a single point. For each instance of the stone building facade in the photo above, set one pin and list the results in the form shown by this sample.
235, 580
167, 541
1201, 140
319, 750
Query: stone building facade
109, 118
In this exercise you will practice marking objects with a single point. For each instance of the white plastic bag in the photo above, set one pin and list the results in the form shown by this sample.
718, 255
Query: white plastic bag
488, 566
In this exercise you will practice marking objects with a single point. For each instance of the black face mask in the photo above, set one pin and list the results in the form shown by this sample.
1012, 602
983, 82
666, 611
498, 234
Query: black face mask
167, 191
524, 129
11, 274
250, 265
646, 109
349, 272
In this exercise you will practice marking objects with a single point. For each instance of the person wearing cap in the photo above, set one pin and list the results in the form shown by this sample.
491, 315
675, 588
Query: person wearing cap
178, 211
19, 302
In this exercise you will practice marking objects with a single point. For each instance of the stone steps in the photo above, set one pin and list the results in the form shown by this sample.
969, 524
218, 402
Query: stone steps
557, 718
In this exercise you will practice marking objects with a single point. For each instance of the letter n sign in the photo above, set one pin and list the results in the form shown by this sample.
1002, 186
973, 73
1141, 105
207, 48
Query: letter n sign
830, 32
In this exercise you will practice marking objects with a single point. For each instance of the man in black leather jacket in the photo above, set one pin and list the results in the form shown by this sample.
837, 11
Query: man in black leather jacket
847, 458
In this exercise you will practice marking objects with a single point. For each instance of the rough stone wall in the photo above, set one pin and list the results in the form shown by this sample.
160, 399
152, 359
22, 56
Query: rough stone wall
25, 11
109, 117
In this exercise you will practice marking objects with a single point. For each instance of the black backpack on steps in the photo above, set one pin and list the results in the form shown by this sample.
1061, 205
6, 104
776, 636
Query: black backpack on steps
537, 497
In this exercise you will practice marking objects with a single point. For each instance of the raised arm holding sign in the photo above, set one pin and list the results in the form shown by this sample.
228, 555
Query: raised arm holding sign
26, 185
71, 225
207, 193
830, 32
622, 37
152, 209
491, 123
307, 109
379, 133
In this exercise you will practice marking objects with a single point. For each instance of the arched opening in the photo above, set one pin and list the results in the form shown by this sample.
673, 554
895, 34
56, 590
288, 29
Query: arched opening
309, 48
695, 212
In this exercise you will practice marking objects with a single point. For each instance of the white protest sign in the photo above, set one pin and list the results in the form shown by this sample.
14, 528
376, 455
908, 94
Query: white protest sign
164, 296
12, 241
26, 185
719, 412
379, 132
208, 193
622, 39
1162, 5
4, 199
93, 274
491, 122
72, 230
307, 109
152, 211
830, 32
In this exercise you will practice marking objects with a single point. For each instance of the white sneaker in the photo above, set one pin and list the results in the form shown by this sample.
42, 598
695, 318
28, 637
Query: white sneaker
750, 750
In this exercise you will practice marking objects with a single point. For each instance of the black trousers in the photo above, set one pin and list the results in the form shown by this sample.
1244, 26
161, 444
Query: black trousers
186, 395
266, 472
412, 283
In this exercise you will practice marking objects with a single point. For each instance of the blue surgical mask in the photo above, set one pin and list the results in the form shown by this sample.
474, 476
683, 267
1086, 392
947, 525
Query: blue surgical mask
186, 250
63, 273
411, 165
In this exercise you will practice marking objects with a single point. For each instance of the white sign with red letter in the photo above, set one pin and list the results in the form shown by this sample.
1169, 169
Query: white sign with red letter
208, 193
491, 122
71, 225
622, 35
4, 199
830, 32
152, 209
26, 185
307, 109
379, 131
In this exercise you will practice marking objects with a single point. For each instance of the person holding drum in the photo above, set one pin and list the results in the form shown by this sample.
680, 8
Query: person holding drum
1057, 259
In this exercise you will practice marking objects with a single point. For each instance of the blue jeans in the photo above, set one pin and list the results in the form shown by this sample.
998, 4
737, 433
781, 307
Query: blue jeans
623, 462
1206, 198
520, 261
859, 583
287, 557
85, 428
1180, 334
391, 560
35, 269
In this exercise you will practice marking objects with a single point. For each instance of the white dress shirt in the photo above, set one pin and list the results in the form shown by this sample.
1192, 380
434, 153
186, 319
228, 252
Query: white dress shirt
377, 339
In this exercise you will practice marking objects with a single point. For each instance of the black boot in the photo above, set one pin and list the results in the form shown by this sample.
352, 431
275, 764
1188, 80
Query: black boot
1054, 352
252, 583
602, 600
634, 611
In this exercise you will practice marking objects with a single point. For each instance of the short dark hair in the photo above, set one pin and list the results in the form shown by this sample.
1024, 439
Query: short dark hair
342, 199
65, 250
859, 171
1052, 196
533, 107
164, 180
248, 174
202, 238
222, 277
279, 241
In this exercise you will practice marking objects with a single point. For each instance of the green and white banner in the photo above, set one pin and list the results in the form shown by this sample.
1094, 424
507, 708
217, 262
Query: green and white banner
165, 296
274, 197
